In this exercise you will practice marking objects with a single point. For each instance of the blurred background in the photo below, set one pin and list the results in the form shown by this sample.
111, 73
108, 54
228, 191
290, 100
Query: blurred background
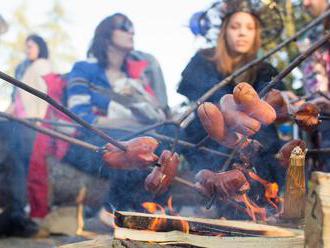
162, 29
68, 25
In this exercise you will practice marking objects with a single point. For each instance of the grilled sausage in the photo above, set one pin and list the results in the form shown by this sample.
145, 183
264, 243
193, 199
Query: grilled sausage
139, 154
212, 120
248, 100
161, 177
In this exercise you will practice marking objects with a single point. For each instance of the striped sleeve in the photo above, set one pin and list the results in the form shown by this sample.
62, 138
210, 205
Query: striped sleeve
79, 95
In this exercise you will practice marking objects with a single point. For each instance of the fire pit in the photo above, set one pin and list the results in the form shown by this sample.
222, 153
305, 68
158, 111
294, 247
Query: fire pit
175, 230
133, 229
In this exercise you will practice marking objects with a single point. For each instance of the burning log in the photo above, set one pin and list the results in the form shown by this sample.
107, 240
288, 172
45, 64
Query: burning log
211, 227
191, 240
295, 188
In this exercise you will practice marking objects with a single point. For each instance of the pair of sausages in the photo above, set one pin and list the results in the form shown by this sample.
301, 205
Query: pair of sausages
161, 177
214, 123
139, 154
243, 113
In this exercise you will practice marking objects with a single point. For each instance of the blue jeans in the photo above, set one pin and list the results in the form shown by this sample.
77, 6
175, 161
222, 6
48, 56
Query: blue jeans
18, 143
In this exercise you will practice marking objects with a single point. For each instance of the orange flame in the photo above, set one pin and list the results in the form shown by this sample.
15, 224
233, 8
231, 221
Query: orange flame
159, 223
152, 208
271, 190
184, 224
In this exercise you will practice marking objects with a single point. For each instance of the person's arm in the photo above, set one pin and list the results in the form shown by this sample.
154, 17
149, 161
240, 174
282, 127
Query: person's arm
192, 77
79, 93
155, 74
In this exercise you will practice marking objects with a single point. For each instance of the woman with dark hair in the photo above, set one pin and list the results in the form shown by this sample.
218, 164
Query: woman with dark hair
36, 47
118, 88
31, 71
122, 79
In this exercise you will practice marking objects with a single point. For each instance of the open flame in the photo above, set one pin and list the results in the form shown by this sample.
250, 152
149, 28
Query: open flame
153, 207
252, 209
184, 223
271, 196
158, 223
271, 190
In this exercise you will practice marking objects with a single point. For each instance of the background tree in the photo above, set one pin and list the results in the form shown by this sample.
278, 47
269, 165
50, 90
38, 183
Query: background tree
294, 18
52, 29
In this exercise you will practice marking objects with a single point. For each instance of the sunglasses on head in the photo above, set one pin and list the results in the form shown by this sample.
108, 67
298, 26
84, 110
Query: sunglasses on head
125, 26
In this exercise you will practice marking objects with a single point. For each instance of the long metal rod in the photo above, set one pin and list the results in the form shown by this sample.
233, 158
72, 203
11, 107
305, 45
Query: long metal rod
297, 61
153, 134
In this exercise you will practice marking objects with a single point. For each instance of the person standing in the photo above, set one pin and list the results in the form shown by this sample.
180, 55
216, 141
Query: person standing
14, 220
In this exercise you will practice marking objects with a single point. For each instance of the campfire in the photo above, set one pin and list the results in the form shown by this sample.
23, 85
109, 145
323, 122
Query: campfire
168, 229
